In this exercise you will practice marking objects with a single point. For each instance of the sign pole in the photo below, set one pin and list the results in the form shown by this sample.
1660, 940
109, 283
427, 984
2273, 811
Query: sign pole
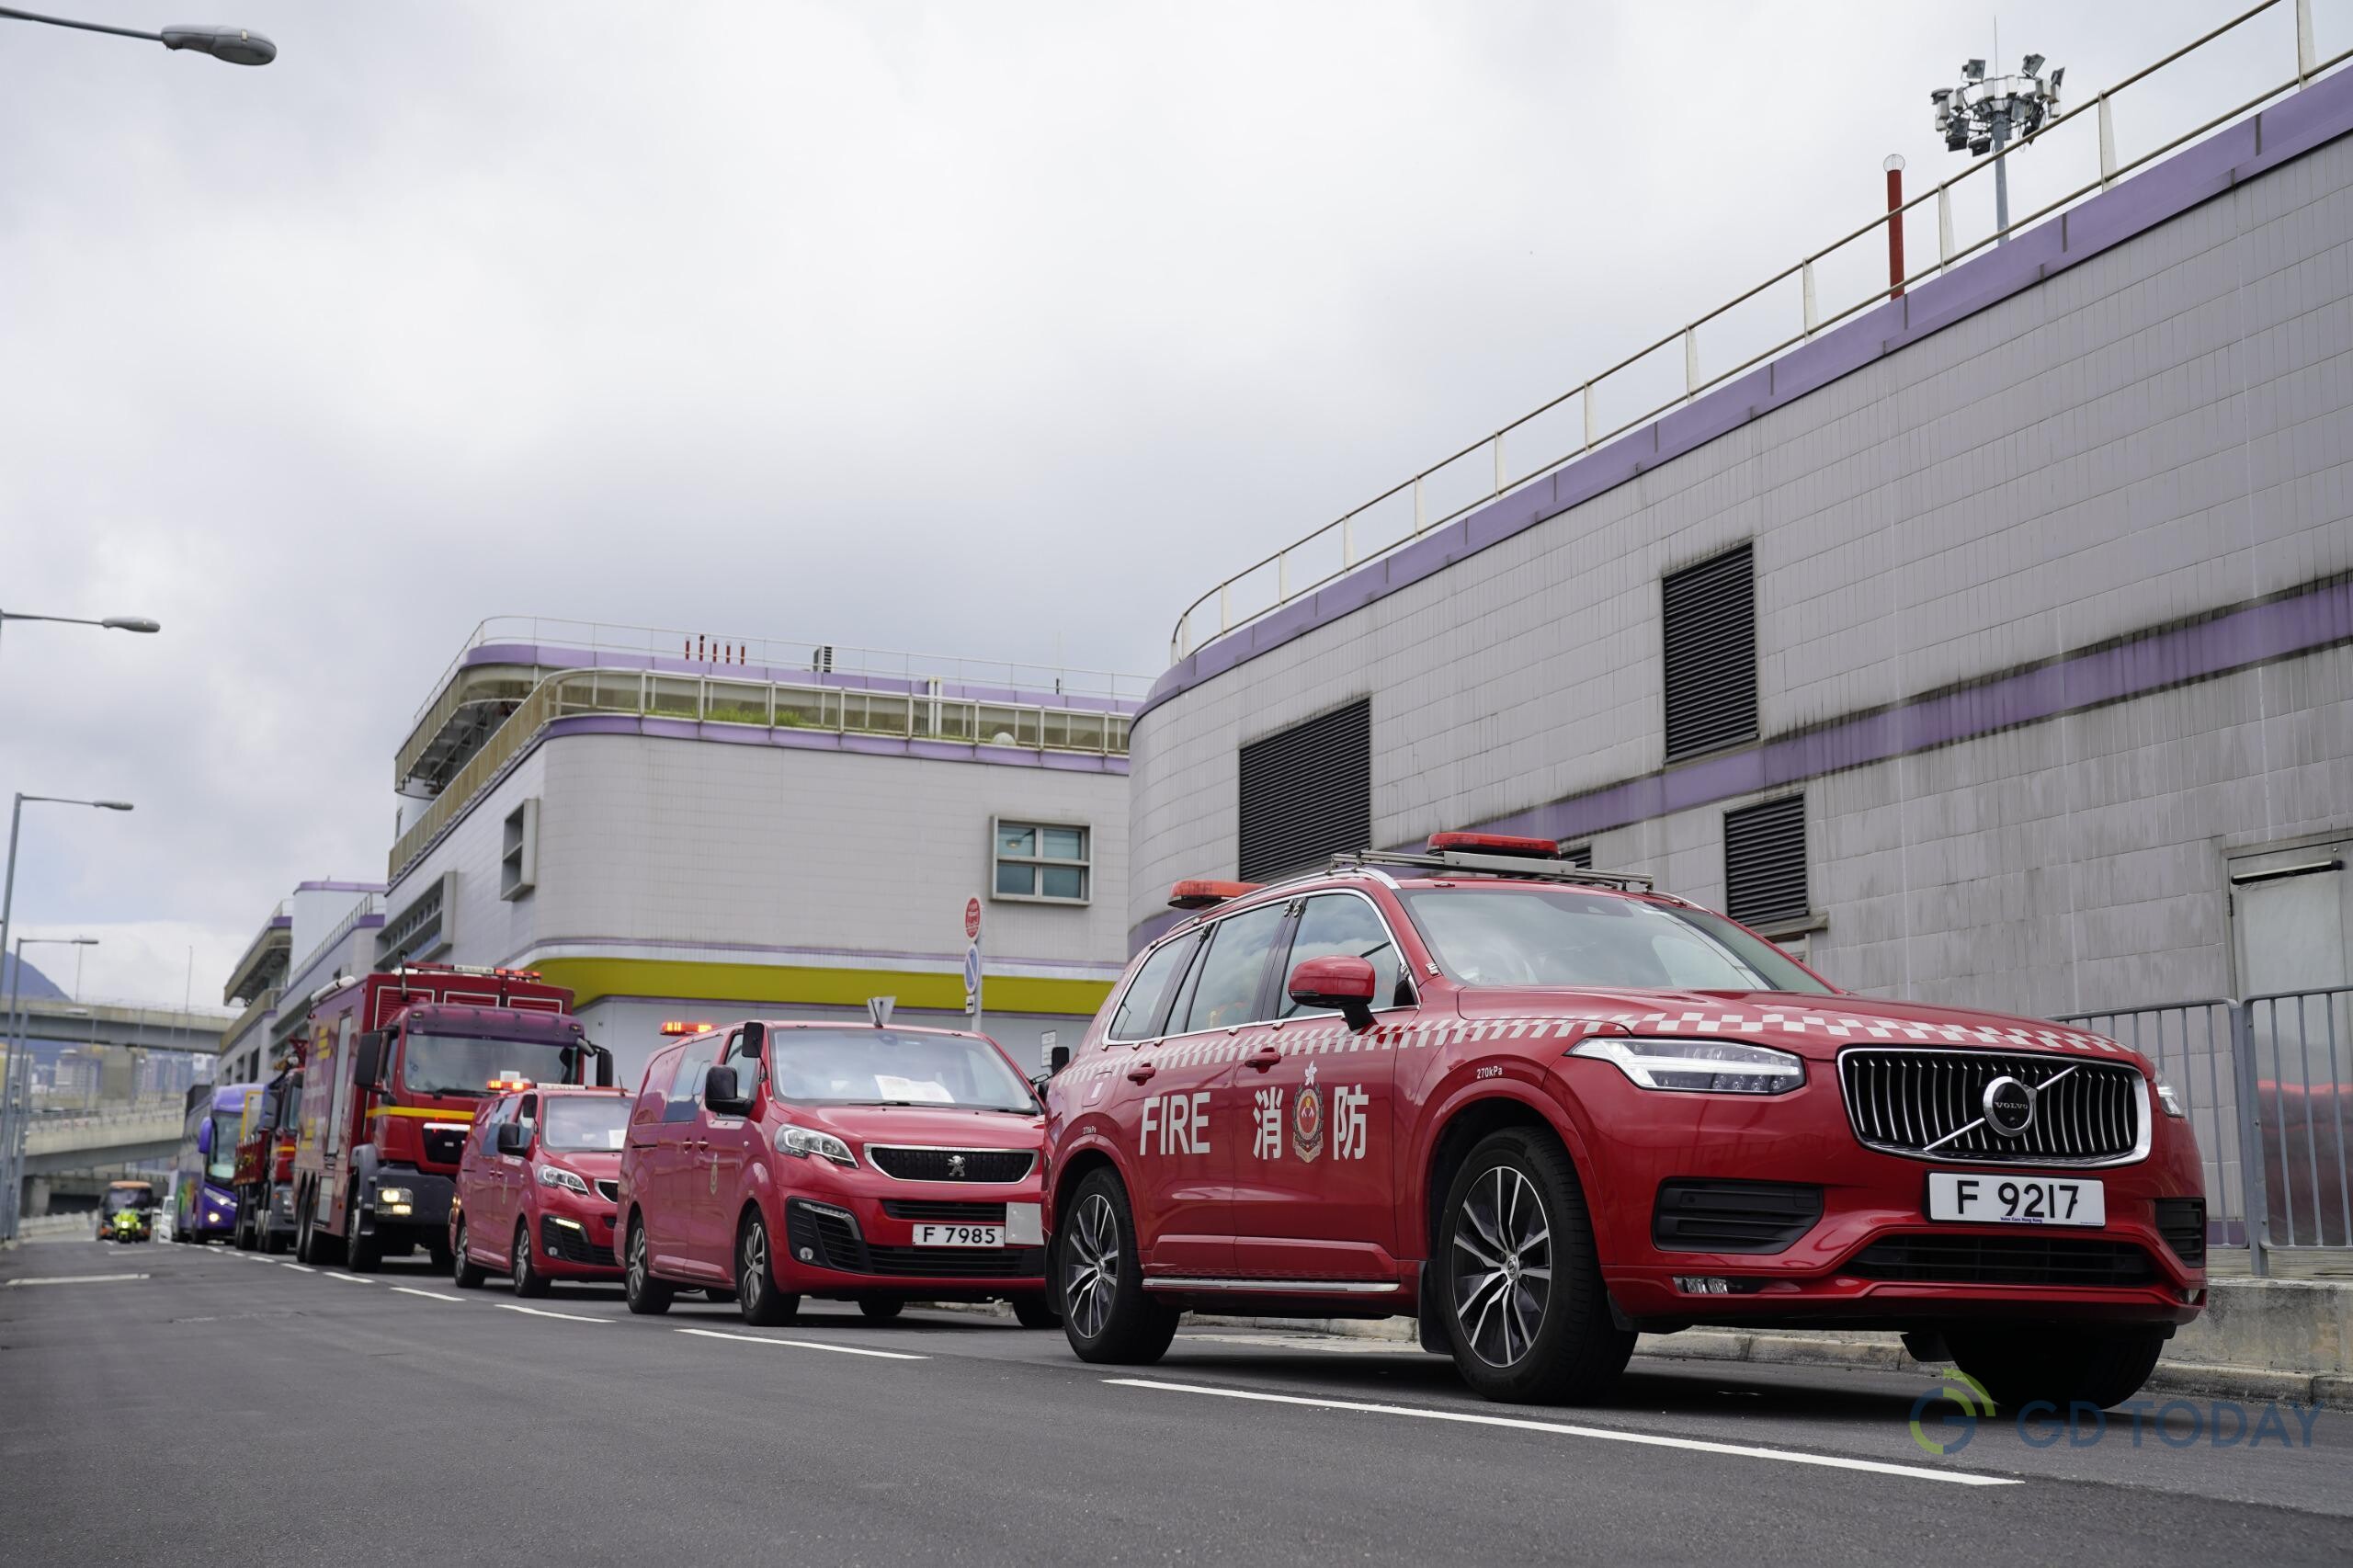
972, 976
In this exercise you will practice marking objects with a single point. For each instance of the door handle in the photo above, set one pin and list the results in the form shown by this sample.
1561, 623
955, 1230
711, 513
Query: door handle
1265, 1057
1140, 1072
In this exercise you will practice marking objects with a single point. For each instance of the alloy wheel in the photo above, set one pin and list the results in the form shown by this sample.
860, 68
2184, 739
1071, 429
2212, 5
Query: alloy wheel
1091, 1274
637, 1258
521, 1264
1503, 1267
751, 1277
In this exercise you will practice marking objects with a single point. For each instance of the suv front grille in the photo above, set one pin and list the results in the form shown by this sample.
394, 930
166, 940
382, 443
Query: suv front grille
2003, 1260
1929, 1104
1733, 1216
995, 1166
944, 1213
2182, 1222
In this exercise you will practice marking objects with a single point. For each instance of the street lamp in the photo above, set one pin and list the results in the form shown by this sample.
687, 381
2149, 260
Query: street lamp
1981, 115
16, 1101
235, 45
112, 622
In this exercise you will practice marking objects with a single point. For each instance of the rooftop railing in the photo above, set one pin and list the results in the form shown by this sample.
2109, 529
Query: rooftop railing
1776, 316
775, 705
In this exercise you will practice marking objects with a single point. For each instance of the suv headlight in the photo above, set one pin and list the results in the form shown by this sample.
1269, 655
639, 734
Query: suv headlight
556, 1175
1709, 1066
806, 1141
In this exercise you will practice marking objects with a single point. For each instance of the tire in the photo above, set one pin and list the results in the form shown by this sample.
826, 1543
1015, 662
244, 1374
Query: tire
526, 1281
306, 1231
361, 1254
647, 1296
241, 1237
1109, 1317
756, 1295
880, 1308
464, 1273
2101, 1365
1036, 1311
274, 1241
1515, 1252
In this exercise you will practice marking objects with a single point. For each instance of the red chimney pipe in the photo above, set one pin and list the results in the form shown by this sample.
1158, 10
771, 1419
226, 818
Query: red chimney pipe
1895, 168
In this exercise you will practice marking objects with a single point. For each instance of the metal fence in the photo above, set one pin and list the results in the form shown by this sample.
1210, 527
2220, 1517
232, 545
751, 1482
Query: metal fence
2264, 1082
2240, 65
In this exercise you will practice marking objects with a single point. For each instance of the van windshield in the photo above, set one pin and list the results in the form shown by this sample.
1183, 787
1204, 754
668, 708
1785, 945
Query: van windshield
581, 1122
886, 1067
1547, 937
463, 1064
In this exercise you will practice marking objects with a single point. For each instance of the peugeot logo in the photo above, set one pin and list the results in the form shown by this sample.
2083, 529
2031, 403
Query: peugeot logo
2010, 1107
956, 1161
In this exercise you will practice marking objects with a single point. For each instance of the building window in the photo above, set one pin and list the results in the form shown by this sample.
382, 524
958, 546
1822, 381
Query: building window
1306, 793
519, 860
1707, 632
1765, 862
425, 928
1047, 862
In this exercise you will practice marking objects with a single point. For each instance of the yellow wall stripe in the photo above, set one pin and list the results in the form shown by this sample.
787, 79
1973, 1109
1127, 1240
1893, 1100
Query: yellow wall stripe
590, 979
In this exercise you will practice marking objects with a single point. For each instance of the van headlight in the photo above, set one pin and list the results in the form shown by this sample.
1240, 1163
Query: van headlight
1699, 1066
806, 1141
556, 1175
2168, 1098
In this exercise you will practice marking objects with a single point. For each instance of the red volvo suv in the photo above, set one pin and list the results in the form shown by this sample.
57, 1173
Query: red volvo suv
879, 1166
1542, 1109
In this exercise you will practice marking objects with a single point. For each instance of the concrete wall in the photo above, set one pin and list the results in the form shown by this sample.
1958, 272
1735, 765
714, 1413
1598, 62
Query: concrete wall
2111, 446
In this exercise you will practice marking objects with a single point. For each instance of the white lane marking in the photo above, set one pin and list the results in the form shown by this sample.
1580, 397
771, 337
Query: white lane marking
1337, 1346
428, 1295
808, 1345
349, 1278
568, 1317
298, 1268
1606, 1435
74, 1279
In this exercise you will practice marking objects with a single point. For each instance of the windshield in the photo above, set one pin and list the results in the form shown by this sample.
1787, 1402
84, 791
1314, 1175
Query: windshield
222, 1164
581, 1122
1544, 936
120, 1198
463, 1064
289, 1109
883, 1067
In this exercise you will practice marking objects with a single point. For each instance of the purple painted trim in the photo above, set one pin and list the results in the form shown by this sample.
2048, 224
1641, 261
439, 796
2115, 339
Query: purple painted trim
279, 923
338, 887
2318, 114
559, 656
2252, 635
949, 959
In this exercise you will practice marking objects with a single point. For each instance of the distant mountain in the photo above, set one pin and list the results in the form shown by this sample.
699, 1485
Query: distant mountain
35, 983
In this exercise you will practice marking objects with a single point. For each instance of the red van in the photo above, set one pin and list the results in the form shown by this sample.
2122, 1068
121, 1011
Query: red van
537, 1183
840, 1161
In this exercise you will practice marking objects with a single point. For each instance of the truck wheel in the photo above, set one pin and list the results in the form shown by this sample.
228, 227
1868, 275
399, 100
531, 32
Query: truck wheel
242, 1238
1036, 1311
756, 1296
464, 1272
1524, 1309
1109, 1317
527, 1280
306, 1231
273, 1240
648, 1296
361, 1254
2103, 1365
880, 1308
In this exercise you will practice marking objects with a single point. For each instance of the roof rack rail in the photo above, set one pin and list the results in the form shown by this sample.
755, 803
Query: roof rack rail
1524, 868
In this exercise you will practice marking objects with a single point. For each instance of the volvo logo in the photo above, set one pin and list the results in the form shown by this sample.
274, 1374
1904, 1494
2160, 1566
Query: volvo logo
2010, 1107
956, 1163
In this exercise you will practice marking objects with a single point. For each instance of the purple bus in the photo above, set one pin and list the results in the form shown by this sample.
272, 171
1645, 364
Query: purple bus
204, 1194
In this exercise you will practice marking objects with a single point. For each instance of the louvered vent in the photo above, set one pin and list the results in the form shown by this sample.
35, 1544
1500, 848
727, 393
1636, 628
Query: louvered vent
1579, 855
1709, 626
1307, 794
1765, 861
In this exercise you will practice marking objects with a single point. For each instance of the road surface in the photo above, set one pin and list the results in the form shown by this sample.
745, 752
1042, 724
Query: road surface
177, 1406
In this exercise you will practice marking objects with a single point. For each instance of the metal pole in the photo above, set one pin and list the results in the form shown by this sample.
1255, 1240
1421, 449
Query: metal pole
2253, 1188
2001, 179
11, 1200
1895, 168
16, 1045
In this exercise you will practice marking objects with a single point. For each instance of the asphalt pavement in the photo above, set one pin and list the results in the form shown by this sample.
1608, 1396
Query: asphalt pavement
175, 1406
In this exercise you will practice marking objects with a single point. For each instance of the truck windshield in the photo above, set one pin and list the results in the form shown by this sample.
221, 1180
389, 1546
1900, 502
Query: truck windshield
289, 1109
581, 1122
886, 1067
464, 1064
1543, 937
222, 1164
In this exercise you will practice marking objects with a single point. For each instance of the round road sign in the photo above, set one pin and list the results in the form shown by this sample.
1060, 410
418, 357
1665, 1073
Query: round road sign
973, 919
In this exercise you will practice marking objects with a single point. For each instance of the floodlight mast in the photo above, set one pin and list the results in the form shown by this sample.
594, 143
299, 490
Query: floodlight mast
1983, 115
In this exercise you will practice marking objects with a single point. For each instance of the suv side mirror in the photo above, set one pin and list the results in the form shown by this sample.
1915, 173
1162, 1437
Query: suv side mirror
1339, 983
720, 1096
368, 1059
513, 1137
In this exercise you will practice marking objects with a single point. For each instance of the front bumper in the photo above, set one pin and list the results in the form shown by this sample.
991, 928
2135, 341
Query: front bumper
429, 1196
856, 1236
1873, 1259
576, 1241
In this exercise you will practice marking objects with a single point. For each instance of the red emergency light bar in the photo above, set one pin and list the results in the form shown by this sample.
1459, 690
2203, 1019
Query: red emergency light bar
681, 1026
1494, 844
502, 1085
1199, 892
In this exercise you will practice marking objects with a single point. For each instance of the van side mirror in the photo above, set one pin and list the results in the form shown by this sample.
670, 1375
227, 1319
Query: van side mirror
1341, 982
720, 1096
513, 1137
1057, 1059
368, 1059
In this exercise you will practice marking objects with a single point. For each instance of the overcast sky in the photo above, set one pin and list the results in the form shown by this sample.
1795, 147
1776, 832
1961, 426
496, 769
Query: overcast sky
1000, 329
